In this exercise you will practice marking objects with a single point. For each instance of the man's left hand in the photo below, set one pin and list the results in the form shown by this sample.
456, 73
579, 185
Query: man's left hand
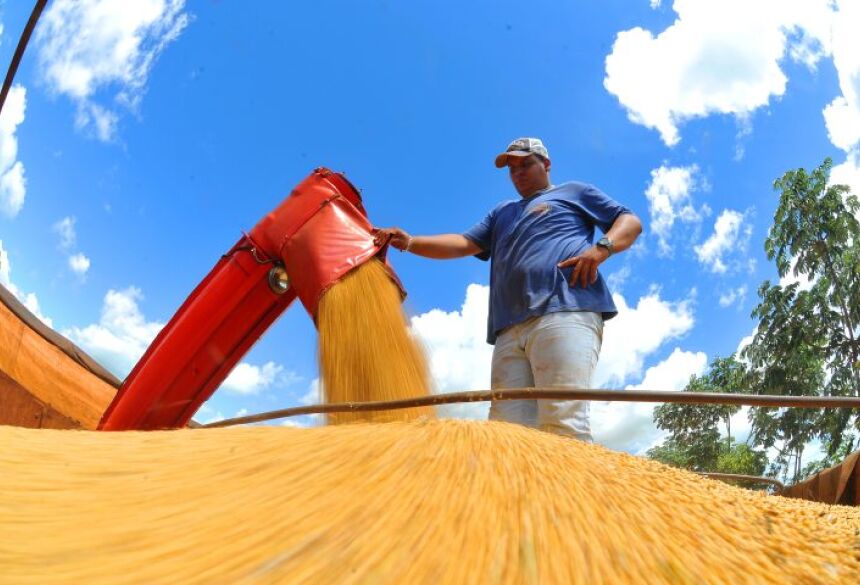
585, 265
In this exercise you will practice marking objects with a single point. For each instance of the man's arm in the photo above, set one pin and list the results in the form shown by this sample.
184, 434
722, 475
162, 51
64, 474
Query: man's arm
443, 246
624, 231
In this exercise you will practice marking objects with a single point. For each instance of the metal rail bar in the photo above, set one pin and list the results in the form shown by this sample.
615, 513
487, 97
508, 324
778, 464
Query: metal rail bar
740, 477
555, 394
19, 50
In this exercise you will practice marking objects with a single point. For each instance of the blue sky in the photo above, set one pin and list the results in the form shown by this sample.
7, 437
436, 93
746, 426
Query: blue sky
143, 137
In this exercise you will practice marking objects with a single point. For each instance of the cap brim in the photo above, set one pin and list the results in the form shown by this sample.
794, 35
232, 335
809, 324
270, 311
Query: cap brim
502, 159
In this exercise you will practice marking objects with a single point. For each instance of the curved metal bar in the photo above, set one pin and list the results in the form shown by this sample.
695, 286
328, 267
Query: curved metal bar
555, 394
740, 477
19, 50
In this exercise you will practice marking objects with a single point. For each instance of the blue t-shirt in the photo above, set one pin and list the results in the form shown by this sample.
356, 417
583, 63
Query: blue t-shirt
526, 239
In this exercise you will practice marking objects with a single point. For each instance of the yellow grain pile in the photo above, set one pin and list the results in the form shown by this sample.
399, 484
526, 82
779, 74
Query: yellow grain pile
423, 502
365, 350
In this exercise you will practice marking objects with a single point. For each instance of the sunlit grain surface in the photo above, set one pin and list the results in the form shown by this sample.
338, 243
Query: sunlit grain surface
421, 502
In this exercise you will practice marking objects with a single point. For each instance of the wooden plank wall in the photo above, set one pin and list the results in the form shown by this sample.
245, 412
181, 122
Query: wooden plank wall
59, 388
839, 484
20, 408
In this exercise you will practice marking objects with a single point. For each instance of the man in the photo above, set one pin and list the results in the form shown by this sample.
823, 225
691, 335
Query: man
548, 300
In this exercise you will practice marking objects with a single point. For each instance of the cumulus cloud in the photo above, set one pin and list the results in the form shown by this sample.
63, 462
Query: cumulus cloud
730, 235
122, 334
65, 229
249, 379
848, 173
457, 351
669, 200
629, 426
313, 395
802, 282
637, 332
29, 300
13, 182
208, 414
842, 115
732, 296
618, 279
718, 57
79, 264
88, 46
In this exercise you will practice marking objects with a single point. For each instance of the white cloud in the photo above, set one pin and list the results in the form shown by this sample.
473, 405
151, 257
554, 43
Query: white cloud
803, 283
718, 57
122, 334
629, 426
730, 235
104, 122
314, 393
86, 46
249, 379
312, 396
637, 332
669, 199
5, 267
207, 415
842, 115
741, 427
29, 300
617, 279
674, 372
79, 264
848, 173
65, 228
457, 351
843, 123
13, 183
732, 296
655, 4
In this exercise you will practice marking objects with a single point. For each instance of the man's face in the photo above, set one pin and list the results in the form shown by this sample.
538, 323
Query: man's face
529, 174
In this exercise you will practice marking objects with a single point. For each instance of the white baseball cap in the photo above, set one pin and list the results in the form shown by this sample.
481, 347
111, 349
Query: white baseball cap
522, 147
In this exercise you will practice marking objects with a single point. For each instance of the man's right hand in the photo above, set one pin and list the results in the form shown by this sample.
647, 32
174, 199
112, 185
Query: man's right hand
395, 236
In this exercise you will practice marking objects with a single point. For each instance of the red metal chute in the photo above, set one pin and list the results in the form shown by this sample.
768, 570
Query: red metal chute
317, 234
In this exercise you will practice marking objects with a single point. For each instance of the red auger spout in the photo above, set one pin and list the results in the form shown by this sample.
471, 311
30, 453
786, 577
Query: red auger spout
305, 245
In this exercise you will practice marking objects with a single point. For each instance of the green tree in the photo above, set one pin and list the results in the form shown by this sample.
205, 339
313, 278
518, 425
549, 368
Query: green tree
806, 342
727, 457
694, 429
671, 453
741, 458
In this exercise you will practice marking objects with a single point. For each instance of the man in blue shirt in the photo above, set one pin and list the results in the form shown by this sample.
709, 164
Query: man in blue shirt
548, 301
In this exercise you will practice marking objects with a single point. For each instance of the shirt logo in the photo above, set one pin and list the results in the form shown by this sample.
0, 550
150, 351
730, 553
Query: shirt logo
540, 209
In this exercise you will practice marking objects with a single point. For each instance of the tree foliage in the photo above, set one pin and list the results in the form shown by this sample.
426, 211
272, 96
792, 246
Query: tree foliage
726, 457
694, 429
806, 342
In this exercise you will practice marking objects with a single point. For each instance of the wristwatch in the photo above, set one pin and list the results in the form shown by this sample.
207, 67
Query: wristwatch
605, 242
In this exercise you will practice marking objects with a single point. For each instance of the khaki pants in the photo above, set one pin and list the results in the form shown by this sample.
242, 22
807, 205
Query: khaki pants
557, 350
